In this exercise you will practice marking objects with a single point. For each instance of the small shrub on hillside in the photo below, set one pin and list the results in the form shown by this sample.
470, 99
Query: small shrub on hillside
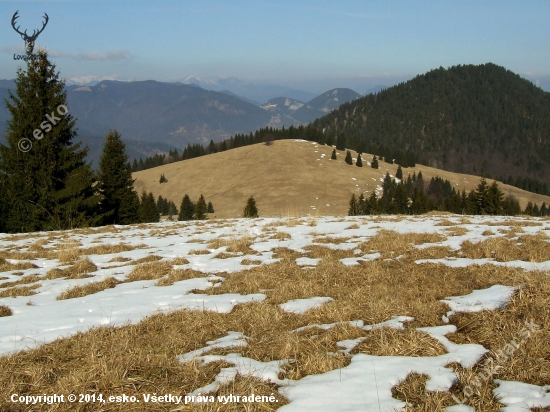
250, 210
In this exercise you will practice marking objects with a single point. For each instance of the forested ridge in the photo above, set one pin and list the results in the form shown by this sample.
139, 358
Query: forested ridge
482, 120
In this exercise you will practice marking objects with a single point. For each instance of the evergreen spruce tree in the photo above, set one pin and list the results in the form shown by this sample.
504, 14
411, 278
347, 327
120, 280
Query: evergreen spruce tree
187, 209
3, 206
495, 200
162, 205
148, 209
200, 209
482, 197
250, 210
371, 205
359, 162
419, 201
333, 156
374, 163
353, 206
212, 147
330, 140
46, 181
401, 200
163, 179
210, 208
341, 142
536, 211
172, 209
361, 205
119, 201
348, 159
543, 209
399, 173
511, 206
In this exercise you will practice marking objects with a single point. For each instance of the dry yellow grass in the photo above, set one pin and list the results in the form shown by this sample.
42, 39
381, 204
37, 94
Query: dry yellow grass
6, 266
79, 270
233, 245
142, 358
105, 249
390, 243
531, 249
179, 261
23, 281
329, 239
19, 291
150, 258
286, 180
456, 231
199, 252
120, 259
89, 289
175, 275
5, 311
149, 271
393, 342
445, 222
281, 236
250, 262
224, 255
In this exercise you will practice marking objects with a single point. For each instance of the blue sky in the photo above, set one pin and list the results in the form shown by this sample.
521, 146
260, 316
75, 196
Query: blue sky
311, 45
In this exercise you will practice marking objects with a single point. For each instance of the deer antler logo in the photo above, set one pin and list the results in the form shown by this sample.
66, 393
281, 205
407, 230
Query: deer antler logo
29, 40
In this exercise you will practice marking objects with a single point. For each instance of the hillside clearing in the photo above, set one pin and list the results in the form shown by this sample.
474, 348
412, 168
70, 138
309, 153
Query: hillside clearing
288, 178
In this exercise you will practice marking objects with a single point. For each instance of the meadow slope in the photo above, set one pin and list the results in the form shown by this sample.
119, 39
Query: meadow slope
288, 178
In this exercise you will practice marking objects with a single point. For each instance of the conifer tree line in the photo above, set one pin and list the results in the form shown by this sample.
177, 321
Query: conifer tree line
194, 211
415, 196
527, 183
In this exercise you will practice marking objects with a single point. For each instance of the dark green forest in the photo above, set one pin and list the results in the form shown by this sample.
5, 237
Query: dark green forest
482, 120
414, 195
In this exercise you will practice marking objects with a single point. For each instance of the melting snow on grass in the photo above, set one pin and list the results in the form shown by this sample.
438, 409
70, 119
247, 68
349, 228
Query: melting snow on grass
303, 305
215, 249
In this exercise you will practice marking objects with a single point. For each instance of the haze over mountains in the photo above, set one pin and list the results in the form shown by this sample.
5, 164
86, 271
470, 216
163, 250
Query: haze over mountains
154, 116
474, 119
286, 111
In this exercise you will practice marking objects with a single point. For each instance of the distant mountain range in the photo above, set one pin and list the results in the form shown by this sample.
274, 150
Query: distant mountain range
286, 111
154, 116
256, 92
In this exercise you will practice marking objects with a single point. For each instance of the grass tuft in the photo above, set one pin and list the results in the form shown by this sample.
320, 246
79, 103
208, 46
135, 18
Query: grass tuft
89, 289
5, 311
